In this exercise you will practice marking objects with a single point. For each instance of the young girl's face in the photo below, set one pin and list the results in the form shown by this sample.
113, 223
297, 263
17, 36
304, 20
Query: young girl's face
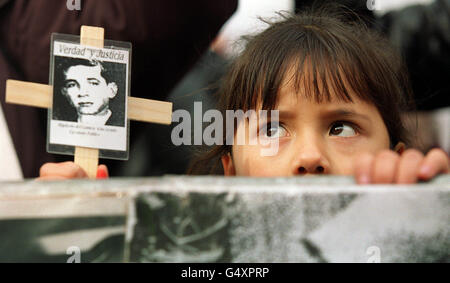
313, 138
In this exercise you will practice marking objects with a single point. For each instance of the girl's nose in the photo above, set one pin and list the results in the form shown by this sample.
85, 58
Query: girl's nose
310, 160
303, 170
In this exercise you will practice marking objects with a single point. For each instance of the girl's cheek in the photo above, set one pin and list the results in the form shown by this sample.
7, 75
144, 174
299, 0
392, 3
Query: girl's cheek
267, 169
348, 149
347, 145
343, 165
344, 153
249, 161
276, 165
341, 153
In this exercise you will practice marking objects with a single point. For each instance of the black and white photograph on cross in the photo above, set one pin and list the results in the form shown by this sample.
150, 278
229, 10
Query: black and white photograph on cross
90, 90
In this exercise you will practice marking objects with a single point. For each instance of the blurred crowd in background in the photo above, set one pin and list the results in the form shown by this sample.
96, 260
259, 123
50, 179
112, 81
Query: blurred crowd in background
193, 44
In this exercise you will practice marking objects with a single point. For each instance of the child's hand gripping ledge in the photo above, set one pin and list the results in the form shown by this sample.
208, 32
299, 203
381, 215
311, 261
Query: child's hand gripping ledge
409, 167
68, 170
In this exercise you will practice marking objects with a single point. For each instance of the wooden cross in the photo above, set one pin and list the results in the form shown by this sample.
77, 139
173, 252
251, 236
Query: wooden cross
40, 95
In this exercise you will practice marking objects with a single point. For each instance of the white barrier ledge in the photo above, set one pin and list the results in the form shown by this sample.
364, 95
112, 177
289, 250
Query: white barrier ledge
209, 219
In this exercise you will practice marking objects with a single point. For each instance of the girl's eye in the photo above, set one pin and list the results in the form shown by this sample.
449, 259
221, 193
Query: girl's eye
341, 129
275, 131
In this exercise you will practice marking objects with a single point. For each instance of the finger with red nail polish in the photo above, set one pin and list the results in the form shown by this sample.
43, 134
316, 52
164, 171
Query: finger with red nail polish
102, 172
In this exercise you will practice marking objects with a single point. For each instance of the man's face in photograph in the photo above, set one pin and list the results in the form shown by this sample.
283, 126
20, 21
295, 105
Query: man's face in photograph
87, 90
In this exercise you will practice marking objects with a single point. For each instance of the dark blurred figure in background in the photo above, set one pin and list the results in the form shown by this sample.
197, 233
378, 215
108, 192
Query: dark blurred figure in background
199, 85
359, 7
168, 37
422, 33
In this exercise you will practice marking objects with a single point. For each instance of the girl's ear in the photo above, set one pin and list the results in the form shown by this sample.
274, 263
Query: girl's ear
399, 148
228, 166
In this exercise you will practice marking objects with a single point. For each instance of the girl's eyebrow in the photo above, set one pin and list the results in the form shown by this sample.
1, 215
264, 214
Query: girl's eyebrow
346, 113
286, 114
331, 114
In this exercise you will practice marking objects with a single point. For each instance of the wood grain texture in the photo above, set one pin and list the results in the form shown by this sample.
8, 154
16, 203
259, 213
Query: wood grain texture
87, 158
92, 36
40, 95
29, 94
151, 111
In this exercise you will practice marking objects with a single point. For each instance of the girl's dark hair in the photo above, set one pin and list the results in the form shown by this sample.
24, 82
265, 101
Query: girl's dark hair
340, 55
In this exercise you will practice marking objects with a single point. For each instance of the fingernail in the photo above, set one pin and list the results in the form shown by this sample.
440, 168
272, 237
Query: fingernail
102, 174
364, 179
425, 171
